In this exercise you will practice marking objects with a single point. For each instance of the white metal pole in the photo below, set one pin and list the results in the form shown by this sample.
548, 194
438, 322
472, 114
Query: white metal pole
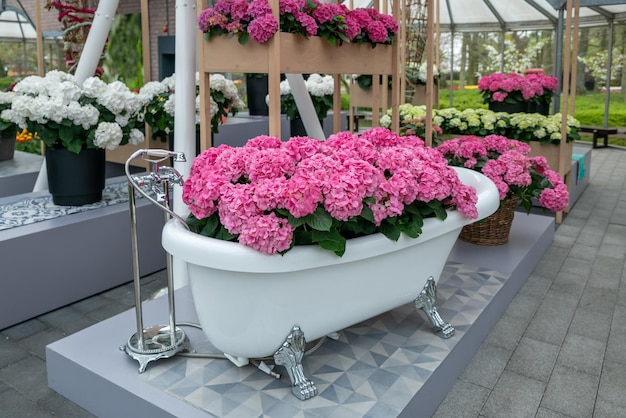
88, 62
185, 109
305, 106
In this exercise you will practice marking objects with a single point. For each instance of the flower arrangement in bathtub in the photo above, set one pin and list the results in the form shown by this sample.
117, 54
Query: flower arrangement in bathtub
513, 87
272, 195
334, 22
158, 98
507, 164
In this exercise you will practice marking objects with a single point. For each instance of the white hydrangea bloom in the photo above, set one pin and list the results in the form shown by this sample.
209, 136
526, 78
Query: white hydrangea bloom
318, 85
135, 137
108, 135
285, 88
150, 90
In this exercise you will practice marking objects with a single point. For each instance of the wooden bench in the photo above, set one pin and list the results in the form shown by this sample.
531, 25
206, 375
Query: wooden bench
599, 132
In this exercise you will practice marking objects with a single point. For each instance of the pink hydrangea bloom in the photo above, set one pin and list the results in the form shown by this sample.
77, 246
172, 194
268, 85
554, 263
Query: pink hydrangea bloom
263, 28
376, 31
249, 186
307, 22
507, 164
267, 233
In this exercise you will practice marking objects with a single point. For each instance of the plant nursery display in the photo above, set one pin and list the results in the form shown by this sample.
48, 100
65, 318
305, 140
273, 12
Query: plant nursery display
272, 196
158, 98
518, 93
412, 121
526, 127
333, 22
8, 129
520, 180
76, 123
77, 117
320, 88
513, 87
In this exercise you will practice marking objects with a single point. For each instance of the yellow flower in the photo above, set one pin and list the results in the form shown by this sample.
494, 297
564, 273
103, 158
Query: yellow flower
25, 136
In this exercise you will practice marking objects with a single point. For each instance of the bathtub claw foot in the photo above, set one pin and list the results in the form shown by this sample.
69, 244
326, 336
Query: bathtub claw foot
426, 302
290, 357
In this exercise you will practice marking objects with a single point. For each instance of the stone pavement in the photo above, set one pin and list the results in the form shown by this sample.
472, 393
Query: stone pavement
558, 351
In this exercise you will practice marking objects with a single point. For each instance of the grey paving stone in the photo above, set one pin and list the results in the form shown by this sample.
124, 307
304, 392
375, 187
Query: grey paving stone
486, 366
523, 306
507, 332
547, 413
592, 240
606, 272
24, 329
613, 384
583, 252
553, 318
598, 299
571, 393
565, 242
122, 294
576, 266
111, 309
514, 396
10, 352
606, 409
464, 400
615, 235
534, 359
67, 320
548, 268
536, 285
582, 354
62, 407
569, 283
36, 344
15, 405
28, 376
90, 304
612, 250
568, 229
557, 254
591, 324
621, 295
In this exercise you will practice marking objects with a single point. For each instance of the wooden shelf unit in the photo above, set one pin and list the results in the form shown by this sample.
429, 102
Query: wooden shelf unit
292, 54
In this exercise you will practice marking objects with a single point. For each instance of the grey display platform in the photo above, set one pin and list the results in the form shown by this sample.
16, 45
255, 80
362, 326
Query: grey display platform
60, 255
389, 366
19, 174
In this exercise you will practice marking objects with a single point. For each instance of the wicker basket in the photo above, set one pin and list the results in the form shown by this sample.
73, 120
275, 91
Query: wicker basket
493, 230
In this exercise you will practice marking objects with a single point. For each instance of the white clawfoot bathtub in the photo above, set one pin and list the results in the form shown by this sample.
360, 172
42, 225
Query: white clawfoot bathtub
247, 302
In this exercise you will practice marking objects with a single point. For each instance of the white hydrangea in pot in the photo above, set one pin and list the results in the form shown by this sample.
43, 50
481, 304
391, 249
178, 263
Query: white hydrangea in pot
67, 115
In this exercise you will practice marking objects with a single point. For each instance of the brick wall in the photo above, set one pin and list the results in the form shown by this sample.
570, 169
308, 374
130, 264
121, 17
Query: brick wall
162, 14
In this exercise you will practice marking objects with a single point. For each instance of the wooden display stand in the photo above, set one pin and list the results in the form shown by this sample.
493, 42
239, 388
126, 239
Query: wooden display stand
552, 152
291, 54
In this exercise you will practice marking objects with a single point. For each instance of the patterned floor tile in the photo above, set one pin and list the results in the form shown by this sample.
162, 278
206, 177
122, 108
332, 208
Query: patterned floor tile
372, 369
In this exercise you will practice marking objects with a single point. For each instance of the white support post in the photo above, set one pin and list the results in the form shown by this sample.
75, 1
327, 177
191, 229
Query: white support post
184, 109
305, 106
